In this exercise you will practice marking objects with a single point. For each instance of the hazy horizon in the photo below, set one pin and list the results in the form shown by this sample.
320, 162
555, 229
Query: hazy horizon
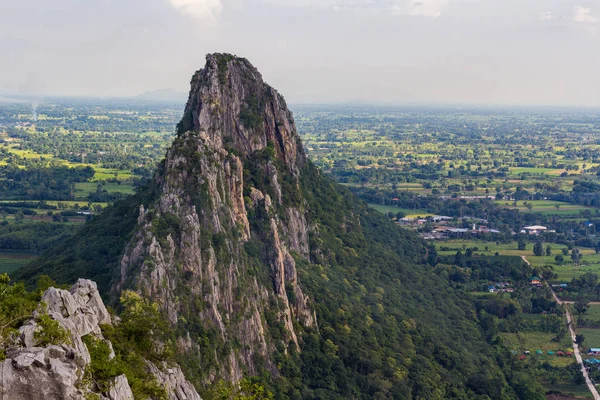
383, 52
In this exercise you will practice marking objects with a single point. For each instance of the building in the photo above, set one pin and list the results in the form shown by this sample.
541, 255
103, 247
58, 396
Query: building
535, 281
534, 229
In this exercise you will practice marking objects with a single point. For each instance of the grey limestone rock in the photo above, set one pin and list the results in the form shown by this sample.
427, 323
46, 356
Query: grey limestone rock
56, 372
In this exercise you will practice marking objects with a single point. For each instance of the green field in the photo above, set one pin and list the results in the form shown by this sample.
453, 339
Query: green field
532, 341
11, 261
567, 271
411, 213
592, 313
107, 173
536, 171
83, 188
547, 207
72, 203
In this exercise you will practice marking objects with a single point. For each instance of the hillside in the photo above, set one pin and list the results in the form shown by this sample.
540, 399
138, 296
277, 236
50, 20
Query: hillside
265, 268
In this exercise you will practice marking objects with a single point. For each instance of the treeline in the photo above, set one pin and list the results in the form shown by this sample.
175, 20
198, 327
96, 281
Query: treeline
53, 183
33, 237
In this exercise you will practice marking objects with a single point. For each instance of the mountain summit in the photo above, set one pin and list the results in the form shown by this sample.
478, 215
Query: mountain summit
232, 104
266, 269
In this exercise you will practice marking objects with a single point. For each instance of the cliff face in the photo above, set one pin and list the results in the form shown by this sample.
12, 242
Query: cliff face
223, 192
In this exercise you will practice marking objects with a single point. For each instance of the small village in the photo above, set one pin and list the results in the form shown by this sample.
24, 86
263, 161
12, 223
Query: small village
439, 227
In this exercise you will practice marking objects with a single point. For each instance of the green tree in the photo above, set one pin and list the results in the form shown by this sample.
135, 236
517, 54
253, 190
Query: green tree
548, 250
538, 249
245, 390
581, 306
49, 331
143, 326
576, 256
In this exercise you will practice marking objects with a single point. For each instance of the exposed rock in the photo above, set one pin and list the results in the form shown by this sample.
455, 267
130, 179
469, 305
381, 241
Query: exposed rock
230, 102
173, 380
120, 390
56, 372
40, 373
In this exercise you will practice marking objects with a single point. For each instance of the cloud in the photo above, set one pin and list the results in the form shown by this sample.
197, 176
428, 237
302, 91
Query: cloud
582, 14
199, 9
427, 8
547, 16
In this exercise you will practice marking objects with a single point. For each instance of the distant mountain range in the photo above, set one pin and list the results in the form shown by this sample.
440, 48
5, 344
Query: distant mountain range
163, 95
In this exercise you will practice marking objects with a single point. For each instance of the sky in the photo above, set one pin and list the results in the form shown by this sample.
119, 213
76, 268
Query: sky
479, 52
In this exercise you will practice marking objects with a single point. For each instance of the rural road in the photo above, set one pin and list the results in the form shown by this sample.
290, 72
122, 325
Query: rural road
588, 381
578, 357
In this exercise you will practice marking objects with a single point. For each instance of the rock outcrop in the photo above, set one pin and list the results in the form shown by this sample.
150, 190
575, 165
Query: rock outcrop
226, 208
58, 372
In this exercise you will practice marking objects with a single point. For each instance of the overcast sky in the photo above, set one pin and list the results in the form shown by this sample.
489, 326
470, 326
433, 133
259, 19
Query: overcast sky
521, 52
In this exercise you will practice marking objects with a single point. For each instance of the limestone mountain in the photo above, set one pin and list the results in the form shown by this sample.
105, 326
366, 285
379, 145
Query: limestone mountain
265, 268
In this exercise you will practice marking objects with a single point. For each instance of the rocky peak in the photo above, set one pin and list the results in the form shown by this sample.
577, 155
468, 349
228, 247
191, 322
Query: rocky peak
216, 247
231, 103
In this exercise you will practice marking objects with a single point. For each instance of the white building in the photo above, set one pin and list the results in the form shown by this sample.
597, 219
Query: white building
534, 229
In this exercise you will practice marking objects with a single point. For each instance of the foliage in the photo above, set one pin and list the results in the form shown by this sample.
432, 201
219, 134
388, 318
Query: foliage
16, 305
49, 331
143, 328
251, 112
56, 183
142, 334
246, 389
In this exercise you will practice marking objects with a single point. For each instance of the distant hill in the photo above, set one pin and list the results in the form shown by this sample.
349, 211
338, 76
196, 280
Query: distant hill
163, 95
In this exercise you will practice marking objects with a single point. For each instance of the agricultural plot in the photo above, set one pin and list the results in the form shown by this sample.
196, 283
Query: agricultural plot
410, 213
548, 207
11, 261
590, 261
533, 341
535, 171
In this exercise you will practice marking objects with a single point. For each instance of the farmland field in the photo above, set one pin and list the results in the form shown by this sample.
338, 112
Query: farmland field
10, 261
567, 271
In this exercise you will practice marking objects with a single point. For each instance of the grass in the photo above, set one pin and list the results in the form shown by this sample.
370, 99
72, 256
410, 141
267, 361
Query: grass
536, 171
592, 337
532, 341
592, 313
409, 212
83, 188
10, 262
546, 207
570, 389
565, 272
108, 173
72, 203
